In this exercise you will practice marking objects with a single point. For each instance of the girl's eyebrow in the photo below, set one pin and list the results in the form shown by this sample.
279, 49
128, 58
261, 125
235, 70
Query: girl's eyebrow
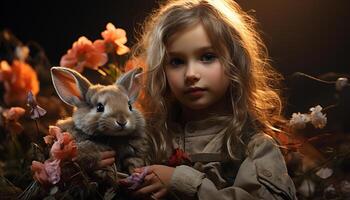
199, 50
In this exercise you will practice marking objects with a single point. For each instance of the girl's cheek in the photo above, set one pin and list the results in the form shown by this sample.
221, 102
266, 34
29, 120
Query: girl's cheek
174, 82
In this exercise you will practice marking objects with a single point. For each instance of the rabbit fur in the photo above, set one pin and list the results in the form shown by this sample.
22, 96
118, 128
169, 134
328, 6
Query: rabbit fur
103, 118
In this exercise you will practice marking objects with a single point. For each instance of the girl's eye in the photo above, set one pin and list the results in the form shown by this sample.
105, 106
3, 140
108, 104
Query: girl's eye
100, 107
208, 57
130, 107
176, 62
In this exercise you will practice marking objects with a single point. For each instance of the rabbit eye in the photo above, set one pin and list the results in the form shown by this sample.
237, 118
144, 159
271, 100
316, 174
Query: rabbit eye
130, 107
100, 107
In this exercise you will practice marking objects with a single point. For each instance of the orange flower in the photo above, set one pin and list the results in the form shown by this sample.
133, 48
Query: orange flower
117, 37
18, 80
5, 71
133, 63
84, 53
65, 147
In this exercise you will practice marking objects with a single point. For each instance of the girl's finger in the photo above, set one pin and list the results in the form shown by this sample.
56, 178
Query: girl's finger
106, 162
124, 182
160, 194
141, 169
107, 154
138, 170
148, 178
153, 188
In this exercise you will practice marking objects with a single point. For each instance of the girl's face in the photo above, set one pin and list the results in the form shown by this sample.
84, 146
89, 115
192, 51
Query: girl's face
193, 70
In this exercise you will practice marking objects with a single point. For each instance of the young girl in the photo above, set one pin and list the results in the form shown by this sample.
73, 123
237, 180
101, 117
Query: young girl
210, 93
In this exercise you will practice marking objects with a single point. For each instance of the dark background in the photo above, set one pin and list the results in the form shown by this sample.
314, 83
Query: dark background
309, 36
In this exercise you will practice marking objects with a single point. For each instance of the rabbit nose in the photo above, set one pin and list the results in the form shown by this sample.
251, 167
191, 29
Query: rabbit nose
121, 123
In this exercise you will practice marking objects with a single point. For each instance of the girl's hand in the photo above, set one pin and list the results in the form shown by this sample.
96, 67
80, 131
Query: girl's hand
156, 181
107, 159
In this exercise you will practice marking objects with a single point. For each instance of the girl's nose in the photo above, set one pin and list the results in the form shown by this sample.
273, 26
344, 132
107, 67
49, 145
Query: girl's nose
191, 74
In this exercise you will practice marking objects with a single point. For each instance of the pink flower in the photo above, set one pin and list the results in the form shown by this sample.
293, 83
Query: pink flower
54, 130
53, 170
117, 37
40, 174
48, 172
64, 148
84, 53
14, 113
49, 139
11, 117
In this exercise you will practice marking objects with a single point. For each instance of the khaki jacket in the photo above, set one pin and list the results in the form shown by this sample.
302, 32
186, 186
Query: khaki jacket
262, 174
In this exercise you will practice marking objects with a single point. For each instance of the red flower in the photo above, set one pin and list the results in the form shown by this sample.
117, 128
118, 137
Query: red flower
116, 37
84, 53
178, 157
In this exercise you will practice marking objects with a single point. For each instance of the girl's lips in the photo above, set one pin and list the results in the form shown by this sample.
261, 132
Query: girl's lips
195, 92
194, 89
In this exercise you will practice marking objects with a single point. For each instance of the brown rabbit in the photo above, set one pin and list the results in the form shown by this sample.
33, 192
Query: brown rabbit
103, 118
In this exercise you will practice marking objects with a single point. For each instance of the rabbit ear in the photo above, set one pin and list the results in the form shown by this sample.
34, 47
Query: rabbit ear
131, 82
70, 85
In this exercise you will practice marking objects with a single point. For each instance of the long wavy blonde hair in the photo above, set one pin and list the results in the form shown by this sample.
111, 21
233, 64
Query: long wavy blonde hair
256, 103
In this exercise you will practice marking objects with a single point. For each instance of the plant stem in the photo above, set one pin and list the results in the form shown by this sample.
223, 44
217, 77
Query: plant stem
313, 78
37, 129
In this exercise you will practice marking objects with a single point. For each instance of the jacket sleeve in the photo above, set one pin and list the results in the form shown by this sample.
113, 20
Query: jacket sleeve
262, 175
